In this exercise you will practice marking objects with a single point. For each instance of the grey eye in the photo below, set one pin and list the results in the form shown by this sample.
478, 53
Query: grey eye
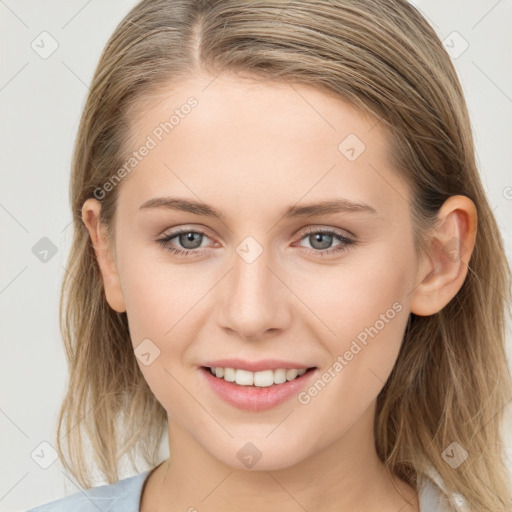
189, 240
320, 240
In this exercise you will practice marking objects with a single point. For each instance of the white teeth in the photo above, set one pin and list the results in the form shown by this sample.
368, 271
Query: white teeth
291, 374
244, 378
264, 378
260, 379
229, 374
280, 376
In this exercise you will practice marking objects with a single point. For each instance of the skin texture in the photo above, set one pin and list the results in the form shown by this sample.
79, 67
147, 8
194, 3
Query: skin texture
251, 150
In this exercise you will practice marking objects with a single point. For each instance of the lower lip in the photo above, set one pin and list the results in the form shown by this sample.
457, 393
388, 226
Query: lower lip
252, 398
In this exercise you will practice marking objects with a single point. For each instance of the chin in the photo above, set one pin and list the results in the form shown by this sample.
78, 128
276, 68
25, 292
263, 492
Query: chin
259, 455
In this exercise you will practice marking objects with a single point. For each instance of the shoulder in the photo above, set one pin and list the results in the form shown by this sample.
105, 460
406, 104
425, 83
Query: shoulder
433, 497
123, 496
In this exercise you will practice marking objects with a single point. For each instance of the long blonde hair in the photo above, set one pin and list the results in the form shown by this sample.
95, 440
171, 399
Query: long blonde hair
450, 382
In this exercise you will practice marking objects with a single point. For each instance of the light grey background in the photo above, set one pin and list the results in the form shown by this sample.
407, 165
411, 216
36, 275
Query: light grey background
41, 98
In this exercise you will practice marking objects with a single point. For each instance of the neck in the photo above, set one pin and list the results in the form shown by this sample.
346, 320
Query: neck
346, 475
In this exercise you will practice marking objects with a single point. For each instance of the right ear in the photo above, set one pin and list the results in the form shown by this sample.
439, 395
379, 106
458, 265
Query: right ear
111, 283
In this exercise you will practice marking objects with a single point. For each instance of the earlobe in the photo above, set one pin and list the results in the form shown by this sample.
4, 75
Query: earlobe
111, 283
444, 270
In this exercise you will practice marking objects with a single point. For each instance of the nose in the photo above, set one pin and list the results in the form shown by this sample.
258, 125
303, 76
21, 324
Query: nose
254, 300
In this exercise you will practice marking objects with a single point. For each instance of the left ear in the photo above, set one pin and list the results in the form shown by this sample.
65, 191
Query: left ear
450, 247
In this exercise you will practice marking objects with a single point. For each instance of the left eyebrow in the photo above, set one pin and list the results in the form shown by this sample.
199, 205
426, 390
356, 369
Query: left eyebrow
307, 210
325, 207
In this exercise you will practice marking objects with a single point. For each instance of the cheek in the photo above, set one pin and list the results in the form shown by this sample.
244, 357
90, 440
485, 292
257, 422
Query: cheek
163, 302
351, 296
365, 304
369, 324
157, 294
159, 307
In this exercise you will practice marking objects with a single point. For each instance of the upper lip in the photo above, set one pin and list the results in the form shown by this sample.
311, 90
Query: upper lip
256, 366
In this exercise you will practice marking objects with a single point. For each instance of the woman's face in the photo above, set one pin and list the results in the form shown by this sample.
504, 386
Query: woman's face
269, 276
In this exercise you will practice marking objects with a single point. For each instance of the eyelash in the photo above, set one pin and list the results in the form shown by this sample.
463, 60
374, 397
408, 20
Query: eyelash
343, 246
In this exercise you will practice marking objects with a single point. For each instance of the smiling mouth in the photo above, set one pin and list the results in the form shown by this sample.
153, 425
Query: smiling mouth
261, 379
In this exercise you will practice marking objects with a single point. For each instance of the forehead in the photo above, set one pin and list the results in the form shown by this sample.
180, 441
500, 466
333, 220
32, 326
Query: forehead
229, 102
256, 140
